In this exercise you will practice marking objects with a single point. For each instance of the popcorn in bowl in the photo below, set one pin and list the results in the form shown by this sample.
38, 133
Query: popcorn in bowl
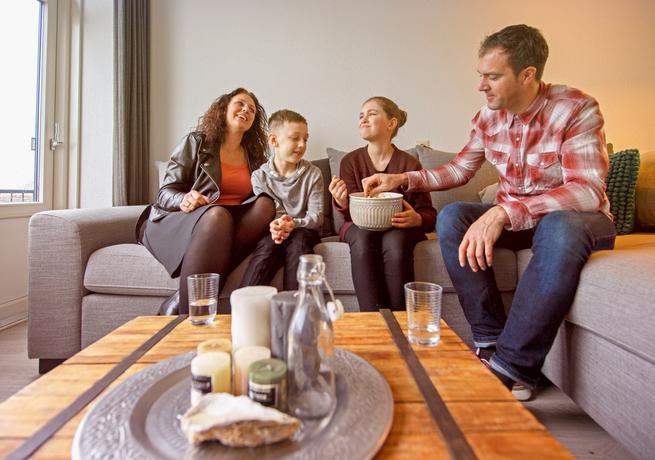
374, 213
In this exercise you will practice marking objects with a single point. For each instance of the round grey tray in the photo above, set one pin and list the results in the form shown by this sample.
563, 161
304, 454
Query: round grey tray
140, 418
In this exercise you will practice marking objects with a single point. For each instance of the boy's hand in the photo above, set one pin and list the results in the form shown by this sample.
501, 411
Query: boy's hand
287, 223
281, 228
192, 201
407, 218
339, 191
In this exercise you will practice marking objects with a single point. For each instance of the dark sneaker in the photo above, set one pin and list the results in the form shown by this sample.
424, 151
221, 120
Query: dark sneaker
520, 391
484, 354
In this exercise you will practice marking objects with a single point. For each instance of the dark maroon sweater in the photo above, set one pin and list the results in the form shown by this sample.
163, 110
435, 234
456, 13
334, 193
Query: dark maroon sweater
357, 165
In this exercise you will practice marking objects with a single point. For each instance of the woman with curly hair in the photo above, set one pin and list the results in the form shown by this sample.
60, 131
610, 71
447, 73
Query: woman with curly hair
206, 218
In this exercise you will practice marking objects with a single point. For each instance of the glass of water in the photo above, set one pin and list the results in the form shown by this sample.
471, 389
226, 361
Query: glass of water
423, 302
203, 297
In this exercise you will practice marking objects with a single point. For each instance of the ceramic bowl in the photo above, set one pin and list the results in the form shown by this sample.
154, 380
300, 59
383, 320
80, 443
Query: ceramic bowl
375, 213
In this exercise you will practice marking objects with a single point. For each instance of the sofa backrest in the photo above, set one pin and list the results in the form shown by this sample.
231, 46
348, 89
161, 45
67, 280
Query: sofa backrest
328, 220
429, 158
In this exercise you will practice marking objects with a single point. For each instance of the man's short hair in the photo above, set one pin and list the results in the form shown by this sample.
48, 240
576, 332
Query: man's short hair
279, 118
524, 45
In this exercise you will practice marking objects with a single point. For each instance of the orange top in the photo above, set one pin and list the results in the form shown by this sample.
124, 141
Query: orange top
235, 184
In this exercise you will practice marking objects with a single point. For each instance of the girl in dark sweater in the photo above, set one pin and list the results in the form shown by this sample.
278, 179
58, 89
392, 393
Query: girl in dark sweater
382, 262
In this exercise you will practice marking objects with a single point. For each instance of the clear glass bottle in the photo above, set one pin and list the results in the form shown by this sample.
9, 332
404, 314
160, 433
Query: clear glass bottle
310, 359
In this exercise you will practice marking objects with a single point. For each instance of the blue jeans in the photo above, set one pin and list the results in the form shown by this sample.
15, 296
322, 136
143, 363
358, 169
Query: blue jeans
561, 244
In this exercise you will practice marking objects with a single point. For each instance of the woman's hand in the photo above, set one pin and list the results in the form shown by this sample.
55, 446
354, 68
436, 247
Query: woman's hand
339, 191
192, 201
407, 218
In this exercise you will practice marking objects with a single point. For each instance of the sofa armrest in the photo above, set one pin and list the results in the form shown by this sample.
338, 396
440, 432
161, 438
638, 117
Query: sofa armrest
60, 243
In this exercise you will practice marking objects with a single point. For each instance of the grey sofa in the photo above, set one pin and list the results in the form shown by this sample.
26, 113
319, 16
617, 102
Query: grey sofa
87, 276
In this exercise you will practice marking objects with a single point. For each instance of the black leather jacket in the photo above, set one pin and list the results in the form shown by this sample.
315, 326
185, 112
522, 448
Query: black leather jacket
193, 166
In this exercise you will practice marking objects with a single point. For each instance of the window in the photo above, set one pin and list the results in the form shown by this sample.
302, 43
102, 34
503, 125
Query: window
28, 54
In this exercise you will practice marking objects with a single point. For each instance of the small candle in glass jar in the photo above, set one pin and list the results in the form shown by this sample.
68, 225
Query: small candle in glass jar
215, 345
267, 383
211, 372
243, 358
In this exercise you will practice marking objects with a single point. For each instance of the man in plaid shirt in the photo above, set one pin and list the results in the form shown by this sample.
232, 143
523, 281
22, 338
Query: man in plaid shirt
548, 145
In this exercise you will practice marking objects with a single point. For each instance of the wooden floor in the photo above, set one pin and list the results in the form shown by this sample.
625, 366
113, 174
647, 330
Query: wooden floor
568, 423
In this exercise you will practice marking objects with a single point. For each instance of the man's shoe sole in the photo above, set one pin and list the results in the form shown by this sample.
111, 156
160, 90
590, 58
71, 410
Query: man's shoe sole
521, 393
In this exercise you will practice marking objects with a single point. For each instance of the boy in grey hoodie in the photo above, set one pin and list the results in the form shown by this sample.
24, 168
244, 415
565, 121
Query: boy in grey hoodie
296, 186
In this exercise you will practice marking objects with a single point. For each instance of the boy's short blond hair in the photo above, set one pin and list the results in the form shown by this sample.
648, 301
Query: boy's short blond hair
279, 118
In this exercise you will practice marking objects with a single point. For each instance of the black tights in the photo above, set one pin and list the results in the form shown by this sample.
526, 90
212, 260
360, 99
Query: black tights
382, 262
222, 238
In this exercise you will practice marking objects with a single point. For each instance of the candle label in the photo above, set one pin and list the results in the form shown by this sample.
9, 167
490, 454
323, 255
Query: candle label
272, 395
201, 383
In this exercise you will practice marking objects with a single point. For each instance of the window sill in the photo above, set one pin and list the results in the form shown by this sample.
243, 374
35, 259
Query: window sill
17, 210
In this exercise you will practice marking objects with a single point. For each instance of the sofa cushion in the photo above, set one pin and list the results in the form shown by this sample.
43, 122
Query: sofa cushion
488, 194
429, 266
127, 269
336, 256
134, 271
486, 175
645, 192
604, 304
102, 313
621, 184
328, 227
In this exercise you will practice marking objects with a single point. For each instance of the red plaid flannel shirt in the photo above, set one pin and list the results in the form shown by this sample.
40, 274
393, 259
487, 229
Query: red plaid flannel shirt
551, 157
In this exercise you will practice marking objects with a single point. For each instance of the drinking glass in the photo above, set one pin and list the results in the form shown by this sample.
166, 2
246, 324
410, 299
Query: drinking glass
423, 302
203, 297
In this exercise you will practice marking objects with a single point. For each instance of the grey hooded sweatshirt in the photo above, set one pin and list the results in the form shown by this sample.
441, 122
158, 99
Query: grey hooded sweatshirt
299, 196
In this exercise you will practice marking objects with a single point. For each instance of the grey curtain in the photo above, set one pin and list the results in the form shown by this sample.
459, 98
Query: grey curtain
131, 101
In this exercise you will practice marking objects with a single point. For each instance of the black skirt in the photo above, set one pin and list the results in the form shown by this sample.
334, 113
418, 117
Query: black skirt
168, 238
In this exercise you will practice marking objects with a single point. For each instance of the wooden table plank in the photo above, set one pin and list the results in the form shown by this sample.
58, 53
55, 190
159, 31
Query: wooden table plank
517, 444
495, 424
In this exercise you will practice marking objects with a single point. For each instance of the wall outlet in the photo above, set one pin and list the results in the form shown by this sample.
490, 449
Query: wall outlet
423, 142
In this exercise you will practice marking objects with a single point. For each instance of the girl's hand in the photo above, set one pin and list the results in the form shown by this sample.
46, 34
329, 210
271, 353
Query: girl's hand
192, 201
407, 218
339, 191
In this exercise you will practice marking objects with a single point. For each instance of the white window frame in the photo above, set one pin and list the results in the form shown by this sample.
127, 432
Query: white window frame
59, 175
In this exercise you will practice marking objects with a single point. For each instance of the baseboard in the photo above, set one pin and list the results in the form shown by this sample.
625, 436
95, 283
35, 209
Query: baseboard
13, 312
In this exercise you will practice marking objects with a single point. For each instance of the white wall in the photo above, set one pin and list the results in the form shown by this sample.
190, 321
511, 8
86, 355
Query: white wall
324, 58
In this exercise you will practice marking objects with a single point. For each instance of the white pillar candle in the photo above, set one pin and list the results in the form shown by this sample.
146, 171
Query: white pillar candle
243, 358
215, 345
211, 372
251, 316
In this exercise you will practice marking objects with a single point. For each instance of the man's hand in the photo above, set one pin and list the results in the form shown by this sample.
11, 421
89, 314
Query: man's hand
281, 228
477, 246
378, 183
407, 218
192, 201
339, 191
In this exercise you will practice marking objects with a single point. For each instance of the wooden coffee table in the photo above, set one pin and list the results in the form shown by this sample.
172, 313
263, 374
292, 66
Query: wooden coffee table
494, 423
